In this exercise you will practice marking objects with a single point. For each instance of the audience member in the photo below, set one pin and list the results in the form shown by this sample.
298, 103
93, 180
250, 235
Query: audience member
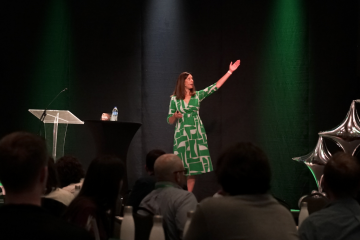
246, 210
143, 186
71, 173
97, 197
169, 199
341, 218
23, 173
52, 190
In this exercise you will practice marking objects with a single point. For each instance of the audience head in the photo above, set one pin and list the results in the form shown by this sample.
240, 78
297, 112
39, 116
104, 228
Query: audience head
151, 157
103, 181
52, 180
69, 170
169, 168
244, 169
23, 160
341, 175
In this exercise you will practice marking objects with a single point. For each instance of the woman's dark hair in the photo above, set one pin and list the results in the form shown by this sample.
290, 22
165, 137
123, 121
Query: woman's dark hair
151, 158
102, 181
179, 91
244, 169
52, 180
100, 189
69, 170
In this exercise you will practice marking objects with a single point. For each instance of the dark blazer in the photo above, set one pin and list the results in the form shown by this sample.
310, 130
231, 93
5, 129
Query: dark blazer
19, 221
143, 186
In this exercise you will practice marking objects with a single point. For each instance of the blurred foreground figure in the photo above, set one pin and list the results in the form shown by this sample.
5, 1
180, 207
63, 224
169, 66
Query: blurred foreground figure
247, 210
23, 173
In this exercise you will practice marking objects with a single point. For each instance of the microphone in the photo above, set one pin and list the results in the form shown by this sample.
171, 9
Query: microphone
55, 98
42, 118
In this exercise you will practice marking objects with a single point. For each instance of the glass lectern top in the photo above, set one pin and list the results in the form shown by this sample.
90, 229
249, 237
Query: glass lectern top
65, 116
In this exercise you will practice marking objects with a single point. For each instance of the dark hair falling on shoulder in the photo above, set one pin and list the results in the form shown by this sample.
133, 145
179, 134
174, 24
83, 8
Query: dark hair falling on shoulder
102, 181
179, 91
244, 169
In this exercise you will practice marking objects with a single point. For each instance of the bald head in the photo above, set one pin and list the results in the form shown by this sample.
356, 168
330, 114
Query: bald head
166, 165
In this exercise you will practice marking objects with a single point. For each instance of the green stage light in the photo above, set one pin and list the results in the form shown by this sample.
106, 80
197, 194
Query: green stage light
283, 94
52, 61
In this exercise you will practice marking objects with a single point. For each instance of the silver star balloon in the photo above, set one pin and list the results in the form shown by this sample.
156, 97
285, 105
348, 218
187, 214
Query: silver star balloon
347, 134
316, 160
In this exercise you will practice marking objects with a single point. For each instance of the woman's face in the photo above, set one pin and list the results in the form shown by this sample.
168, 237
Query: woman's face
189, 82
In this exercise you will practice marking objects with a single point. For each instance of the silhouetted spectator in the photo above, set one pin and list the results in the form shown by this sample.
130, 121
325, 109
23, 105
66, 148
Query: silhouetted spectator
71, 173
23, 173
341, 218
143, 186
246, 210
98, 196
52, 186
169, 199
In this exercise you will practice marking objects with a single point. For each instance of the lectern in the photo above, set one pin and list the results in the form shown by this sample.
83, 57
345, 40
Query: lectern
56, 117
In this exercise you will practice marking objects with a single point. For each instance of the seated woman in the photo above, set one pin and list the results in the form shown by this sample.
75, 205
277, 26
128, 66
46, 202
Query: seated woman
71, 174
97, 197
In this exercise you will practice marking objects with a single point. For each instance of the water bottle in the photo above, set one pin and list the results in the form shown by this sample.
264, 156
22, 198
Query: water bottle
157, 231
114, 114
188, 221
304, 213
127, 230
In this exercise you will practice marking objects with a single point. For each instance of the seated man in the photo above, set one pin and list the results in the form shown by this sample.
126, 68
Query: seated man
341, 218
143, 186
23, 173
247, 210
169, 199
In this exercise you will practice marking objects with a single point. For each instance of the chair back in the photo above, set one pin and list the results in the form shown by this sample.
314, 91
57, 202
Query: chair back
143, 225
2, 200
54, 207
282, 202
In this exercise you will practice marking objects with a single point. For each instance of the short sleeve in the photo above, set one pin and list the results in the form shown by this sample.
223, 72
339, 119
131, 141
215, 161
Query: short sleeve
172, 108
202, 94
187, 203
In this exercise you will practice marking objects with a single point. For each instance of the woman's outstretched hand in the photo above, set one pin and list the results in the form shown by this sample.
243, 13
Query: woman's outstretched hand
233, 67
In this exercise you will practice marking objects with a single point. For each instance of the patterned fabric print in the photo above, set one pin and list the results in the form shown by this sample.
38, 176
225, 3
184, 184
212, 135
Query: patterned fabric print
190, 140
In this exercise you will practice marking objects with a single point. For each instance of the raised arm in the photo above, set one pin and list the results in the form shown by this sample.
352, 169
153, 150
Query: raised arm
232, 68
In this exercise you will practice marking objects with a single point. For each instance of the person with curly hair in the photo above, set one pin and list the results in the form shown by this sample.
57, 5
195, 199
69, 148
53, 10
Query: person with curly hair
71, 173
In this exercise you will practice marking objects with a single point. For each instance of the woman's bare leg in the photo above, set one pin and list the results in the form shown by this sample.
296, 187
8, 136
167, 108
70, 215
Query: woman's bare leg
190, 183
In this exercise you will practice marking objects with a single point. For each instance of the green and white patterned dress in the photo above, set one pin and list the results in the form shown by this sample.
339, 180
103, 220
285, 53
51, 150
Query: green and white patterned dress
190, 140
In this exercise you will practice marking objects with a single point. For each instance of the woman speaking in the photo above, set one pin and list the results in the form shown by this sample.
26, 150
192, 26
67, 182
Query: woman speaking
190, 141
